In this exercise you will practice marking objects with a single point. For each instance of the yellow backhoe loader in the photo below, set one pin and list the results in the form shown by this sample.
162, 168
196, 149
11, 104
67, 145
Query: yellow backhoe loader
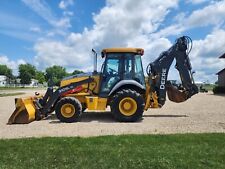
120, 84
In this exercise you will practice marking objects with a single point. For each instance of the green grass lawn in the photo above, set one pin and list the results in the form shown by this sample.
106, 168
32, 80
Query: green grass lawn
11, 94
129, 151
208, 87
19, 88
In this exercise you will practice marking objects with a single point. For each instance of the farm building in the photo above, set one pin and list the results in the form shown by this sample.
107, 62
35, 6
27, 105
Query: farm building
221, 74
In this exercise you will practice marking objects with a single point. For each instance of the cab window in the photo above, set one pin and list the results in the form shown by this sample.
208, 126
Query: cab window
111, 73
138, 69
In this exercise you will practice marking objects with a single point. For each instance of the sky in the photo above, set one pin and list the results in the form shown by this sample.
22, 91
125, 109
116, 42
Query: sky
63, 32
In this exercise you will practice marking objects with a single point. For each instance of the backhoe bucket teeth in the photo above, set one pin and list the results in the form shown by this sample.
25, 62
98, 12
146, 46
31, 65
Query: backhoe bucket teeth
175, 95
24, 112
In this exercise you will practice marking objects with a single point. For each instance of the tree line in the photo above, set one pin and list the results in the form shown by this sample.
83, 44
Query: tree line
26, 72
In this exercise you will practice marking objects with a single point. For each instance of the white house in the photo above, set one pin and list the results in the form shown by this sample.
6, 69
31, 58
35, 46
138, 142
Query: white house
3, 80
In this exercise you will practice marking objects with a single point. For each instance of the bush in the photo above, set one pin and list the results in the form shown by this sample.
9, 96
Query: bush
219, 90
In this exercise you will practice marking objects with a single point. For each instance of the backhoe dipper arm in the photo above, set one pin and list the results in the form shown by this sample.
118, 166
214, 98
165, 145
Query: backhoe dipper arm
158, 72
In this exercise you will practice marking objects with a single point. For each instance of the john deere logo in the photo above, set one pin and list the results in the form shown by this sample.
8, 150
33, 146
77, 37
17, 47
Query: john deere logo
163, 79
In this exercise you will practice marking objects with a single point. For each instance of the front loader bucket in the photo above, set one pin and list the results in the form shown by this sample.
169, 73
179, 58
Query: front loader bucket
175, 95
24, 112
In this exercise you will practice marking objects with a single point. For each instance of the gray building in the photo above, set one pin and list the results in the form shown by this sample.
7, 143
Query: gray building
221, 74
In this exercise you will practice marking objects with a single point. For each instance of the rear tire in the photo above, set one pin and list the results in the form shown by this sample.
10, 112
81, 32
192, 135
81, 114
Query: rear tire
68, 109
127, 105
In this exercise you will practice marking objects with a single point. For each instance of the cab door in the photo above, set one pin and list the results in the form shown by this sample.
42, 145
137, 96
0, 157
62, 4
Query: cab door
112, 73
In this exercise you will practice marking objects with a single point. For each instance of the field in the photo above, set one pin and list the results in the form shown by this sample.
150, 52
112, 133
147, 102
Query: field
128, 151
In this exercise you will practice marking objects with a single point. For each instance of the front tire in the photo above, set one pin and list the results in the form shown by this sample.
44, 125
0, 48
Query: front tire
68, 109
127, 105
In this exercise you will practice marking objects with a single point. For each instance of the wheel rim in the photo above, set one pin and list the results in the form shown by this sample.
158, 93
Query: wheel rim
68, 110
128, 106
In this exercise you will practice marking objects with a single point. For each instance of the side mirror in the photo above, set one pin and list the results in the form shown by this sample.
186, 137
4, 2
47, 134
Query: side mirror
103, 54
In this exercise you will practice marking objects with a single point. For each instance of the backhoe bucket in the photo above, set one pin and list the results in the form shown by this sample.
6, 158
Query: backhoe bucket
24, 112
175, 95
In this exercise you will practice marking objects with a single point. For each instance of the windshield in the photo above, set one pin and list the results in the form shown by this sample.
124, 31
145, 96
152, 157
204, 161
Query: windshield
121, 66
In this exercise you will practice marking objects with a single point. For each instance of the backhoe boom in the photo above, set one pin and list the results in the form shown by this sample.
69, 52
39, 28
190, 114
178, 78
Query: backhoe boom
158, 71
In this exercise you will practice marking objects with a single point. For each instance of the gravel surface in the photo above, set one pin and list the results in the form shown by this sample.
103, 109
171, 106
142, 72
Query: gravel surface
202, 113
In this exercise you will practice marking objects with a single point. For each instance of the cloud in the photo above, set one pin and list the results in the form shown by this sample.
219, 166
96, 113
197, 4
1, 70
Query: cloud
22, 35
68, 13
64, 22
11, 21
212, 14
119, 23
65, 3
35, 29
45, 12
16, 27
211, 46
31, 31
4, 60
62, 54
196, 1
42, 9
205, 53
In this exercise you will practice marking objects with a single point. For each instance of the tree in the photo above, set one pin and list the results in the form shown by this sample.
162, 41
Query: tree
4, 70
54, 74
40, 76
75, 72
26, 73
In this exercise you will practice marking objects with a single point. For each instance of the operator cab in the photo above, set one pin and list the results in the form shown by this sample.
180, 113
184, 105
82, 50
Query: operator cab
121, 64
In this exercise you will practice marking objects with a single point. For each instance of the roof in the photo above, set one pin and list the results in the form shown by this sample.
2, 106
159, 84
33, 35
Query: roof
220, 71
123, 50
222, 56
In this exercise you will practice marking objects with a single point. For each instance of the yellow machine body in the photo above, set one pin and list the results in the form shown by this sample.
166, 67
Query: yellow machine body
88, 99
94, 86
123, 50
96, 103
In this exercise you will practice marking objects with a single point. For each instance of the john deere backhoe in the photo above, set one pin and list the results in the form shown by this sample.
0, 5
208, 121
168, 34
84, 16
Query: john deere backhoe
121, 84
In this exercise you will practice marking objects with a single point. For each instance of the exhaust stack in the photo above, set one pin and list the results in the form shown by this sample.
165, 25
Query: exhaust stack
95, 61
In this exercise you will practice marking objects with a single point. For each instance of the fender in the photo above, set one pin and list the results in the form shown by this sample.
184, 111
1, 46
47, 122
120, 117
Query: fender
126, 82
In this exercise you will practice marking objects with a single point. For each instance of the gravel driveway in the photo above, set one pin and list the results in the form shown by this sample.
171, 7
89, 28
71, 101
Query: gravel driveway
204, 112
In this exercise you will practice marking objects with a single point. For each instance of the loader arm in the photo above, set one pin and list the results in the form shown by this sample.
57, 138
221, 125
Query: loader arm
51, 97
37, 107
158, 72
